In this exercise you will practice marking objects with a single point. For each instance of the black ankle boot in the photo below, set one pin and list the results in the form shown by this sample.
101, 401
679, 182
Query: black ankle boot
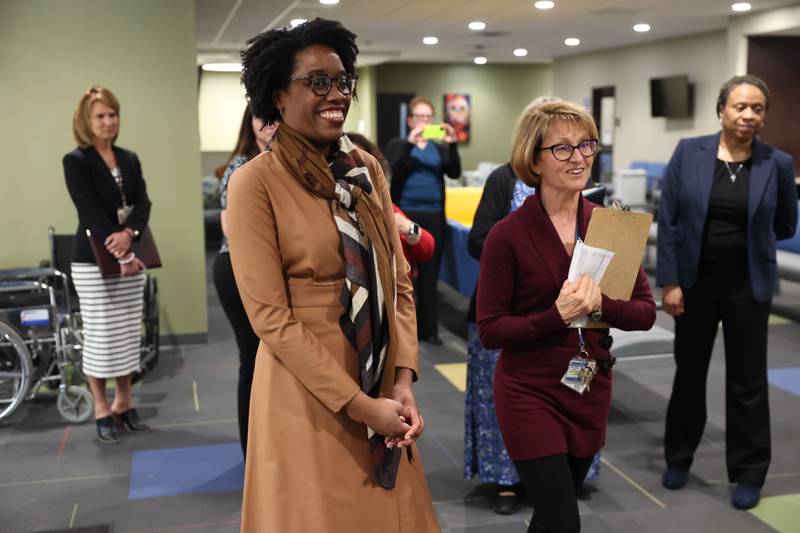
130, 419
106, 430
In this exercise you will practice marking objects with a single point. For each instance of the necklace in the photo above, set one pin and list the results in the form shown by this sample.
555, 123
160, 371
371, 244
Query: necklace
731, 172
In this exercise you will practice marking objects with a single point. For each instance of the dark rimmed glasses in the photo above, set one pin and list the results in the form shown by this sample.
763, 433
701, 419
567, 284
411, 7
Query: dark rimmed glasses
321, 83
563, 151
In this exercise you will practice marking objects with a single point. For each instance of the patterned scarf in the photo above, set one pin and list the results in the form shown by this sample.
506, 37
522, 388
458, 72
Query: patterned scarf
369, 293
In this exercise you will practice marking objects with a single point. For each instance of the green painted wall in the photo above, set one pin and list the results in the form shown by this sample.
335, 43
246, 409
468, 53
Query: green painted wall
365, 107
144, 51
499, 93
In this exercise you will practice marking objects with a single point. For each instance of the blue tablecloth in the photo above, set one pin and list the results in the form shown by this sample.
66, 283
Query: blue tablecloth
458, 269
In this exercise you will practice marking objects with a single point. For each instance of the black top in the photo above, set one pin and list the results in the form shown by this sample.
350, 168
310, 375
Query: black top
725, 236
97, 197
494, 205
398, 154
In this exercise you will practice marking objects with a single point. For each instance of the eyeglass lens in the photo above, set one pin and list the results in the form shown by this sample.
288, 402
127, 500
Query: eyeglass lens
563, 152
321, 84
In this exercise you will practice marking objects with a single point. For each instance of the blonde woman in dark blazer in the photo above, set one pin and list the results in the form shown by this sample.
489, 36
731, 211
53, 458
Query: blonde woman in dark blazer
106, 185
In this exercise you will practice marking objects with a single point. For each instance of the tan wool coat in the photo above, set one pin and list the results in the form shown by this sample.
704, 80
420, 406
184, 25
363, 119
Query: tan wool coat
309, 467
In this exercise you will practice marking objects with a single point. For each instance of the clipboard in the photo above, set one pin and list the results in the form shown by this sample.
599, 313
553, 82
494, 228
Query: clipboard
624, 233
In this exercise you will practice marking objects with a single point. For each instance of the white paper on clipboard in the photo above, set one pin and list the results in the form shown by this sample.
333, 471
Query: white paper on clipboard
590, 261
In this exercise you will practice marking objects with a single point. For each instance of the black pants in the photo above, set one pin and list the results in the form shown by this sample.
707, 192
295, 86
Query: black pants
551, 484
425, 289
246, 339
728, 298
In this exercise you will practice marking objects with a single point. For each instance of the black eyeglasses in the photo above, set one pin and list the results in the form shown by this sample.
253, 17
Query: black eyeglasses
321, 83
563, 152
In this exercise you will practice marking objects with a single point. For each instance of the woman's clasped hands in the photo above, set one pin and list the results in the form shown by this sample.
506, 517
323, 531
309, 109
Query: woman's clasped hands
578, 298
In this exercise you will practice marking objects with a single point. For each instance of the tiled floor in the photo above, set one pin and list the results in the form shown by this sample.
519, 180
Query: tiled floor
184, 476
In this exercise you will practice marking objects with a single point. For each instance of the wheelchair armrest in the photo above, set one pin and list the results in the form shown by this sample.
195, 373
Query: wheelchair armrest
20, 274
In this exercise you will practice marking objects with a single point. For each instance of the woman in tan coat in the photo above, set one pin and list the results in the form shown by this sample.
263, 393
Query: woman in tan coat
319, 265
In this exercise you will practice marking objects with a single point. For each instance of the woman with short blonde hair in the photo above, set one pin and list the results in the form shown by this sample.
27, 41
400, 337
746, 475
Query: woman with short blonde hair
532, 127
526, 305
106, 185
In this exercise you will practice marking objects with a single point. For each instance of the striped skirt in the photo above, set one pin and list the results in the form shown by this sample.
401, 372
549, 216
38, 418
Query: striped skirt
111, 311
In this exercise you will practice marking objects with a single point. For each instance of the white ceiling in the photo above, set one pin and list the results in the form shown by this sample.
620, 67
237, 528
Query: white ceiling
392, 30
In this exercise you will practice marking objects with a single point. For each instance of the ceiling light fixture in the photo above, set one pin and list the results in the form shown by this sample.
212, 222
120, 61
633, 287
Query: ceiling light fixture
430, 40
477, 25
544, 4
572, 41
222, 67
641, 27
741, 6
329, 2
296, 22
480, 60
520, 52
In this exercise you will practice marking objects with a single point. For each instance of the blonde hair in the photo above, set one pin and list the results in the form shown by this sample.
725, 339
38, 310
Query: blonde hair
533, 125
82, 118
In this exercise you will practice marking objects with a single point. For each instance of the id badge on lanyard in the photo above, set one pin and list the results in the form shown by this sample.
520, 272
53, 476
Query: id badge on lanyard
581, 368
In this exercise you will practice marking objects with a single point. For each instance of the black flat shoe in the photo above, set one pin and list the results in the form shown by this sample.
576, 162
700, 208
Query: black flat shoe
433, 339
130, 419
106, 430
506, 504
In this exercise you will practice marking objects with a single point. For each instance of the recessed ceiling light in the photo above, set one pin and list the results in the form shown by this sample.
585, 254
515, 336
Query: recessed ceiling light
329, 2
741, 6
477, 25
641, 27
480, 60
296, 22
430, 39
544, 4
572, 41
520, 52
222, 67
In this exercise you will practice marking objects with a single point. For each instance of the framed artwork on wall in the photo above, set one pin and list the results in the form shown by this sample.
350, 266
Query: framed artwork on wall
457, 111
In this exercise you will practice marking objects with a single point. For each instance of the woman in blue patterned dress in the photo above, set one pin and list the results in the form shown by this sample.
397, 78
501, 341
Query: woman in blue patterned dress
484, 451
254, 136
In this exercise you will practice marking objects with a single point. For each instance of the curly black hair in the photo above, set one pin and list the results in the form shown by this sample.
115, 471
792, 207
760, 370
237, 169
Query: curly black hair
748, 79
268, 61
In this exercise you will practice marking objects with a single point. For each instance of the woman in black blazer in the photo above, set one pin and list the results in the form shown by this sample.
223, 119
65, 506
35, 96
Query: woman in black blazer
725, 200
418, 168
106, 185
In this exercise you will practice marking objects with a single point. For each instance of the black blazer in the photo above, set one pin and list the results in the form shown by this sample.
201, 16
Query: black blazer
685, 193
398, 154
96, 196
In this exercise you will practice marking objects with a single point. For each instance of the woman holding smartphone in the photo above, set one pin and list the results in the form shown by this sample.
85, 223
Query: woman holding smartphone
418, 168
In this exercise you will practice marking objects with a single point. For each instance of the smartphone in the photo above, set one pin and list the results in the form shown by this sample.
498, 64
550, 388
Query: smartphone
435, 132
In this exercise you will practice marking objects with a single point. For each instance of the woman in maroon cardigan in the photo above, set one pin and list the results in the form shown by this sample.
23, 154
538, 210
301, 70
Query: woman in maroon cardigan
525, 305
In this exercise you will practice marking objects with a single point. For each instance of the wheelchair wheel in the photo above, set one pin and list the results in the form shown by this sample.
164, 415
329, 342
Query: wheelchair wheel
15, 370
75, 404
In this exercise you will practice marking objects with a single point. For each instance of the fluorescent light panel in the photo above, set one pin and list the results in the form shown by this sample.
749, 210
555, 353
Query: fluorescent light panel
222, 67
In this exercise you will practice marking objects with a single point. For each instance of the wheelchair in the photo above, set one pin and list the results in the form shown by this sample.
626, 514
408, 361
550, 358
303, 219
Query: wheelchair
40, 334
40, 343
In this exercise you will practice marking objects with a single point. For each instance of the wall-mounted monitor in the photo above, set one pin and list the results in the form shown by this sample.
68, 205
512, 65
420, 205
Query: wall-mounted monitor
671, 97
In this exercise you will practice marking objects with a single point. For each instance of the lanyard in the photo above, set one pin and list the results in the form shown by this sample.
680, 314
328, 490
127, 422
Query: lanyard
581, 342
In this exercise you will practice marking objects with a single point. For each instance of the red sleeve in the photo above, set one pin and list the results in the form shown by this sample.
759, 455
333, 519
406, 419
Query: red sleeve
497, 326
423, 250
637, 314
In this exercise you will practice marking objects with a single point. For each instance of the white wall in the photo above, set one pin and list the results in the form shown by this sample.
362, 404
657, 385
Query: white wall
220, 107
639, 136
740, 27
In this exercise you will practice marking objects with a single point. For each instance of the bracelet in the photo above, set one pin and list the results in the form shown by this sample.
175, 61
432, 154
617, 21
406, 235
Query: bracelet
127, 260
